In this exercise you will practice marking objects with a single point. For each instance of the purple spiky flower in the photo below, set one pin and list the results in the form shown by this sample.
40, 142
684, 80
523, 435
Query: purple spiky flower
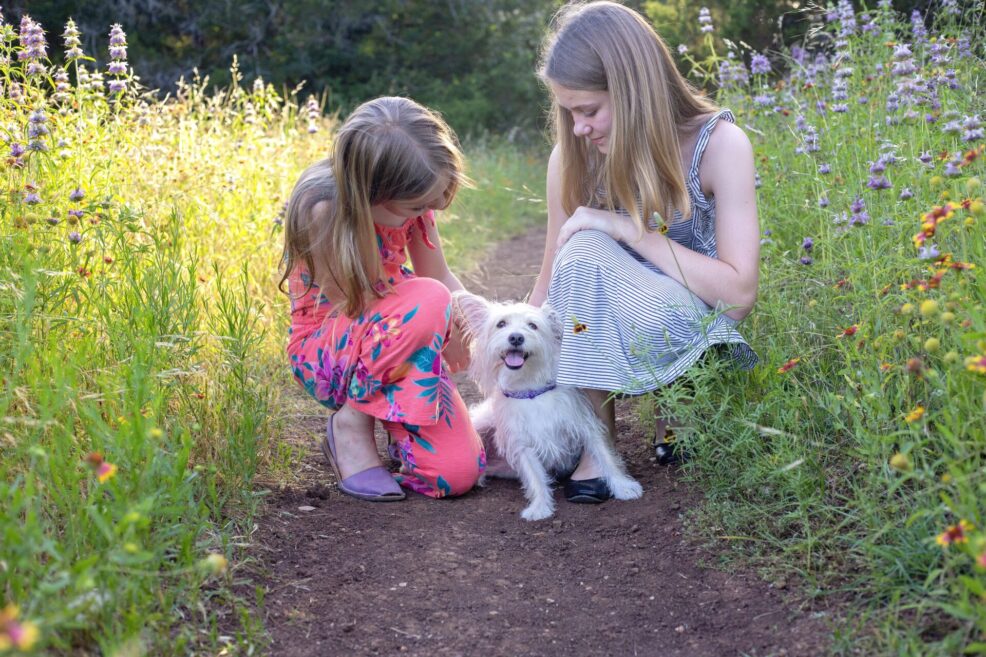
705, 20
73, 43
118, 63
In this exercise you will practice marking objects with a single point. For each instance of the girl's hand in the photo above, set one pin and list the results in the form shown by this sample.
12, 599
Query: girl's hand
621, 228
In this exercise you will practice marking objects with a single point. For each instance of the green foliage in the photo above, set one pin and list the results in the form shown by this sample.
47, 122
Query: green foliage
854, 455
141, 344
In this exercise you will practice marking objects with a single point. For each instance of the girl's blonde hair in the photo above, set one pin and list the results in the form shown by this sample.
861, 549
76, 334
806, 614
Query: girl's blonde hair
605, 46
389, 149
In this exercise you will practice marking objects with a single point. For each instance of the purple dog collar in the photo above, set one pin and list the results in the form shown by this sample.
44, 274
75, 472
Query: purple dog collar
528, 394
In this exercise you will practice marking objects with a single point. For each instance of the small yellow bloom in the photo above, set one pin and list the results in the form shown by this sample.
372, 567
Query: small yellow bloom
976, 364
946, 478
931, 345
899, 334
929, 307
952, 357
155, 433
901, 462
812, 303
915, 415
907, 309
947, 317
214, 563
936, 181
977, 207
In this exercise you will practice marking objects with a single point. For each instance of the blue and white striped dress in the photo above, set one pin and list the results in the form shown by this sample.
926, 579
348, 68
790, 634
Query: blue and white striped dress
628, 327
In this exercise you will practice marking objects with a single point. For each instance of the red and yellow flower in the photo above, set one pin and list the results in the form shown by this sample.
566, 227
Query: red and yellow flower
954, 534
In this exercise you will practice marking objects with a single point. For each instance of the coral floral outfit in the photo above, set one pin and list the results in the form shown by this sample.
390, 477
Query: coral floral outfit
387, 363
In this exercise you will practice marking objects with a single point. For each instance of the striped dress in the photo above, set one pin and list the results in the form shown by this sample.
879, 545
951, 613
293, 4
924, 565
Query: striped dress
628, 327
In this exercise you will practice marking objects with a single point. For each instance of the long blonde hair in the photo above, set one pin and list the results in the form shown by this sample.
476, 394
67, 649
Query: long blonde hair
389, 149
605, 46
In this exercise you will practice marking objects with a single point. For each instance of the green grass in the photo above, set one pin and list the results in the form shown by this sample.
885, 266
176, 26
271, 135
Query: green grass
828, 471
141, 338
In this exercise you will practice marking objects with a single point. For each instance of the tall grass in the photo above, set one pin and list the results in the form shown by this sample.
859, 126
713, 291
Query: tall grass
854, 456
141, 340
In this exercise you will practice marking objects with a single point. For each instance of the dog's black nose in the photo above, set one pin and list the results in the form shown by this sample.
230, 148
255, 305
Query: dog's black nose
515, 339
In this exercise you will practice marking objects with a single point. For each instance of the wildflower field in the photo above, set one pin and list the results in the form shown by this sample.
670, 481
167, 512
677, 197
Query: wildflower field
141, 334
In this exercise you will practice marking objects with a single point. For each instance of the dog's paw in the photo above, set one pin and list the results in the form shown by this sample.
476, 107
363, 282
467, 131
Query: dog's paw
537, 512
625, 488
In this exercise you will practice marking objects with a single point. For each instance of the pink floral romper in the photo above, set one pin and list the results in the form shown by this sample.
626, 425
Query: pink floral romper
388, 363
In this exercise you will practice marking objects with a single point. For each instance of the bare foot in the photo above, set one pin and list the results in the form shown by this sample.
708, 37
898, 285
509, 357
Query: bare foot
356, 449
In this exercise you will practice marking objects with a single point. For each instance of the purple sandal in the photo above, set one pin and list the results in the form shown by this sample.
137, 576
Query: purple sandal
373, 484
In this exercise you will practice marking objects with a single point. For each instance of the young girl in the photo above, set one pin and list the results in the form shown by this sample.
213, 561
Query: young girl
652, 247
367, 334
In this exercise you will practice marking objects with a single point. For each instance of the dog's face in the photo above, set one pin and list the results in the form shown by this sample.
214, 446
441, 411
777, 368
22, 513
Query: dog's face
514, 345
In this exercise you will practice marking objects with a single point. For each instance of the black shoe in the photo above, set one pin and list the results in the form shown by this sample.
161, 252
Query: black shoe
587, 491
670, 454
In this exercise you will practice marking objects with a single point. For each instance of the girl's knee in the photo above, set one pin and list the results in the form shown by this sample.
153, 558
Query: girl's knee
585, 245
431, 303
448, 477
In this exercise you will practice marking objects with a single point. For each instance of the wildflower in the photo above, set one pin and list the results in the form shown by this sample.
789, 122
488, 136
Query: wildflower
878, 182
313, 111
77, 194
917, 27
118, 55
925, 158
955, 534
906, 194
14, 634
976, 364
104, 470
788, 366
74, 237
823, 202
72, 41
759, 64
682, 49
929, 307
928, 252
214, 564
705, 20
763, 100
848, 332
915, 366
824, 168
33, 46
931, 345
32, 198
807, 244
806, 260
901, 462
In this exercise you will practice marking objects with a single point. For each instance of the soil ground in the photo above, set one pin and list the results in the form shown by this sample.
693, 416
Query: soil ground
468, 576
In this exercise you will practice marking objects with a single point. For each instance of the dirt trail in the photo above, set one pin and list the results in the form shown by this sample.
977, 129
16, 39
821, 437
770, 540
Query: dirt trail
469, 577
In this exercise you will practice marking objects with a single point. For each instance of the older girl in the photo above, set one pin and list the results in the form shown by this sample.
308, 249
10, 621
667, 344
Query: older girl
652, 249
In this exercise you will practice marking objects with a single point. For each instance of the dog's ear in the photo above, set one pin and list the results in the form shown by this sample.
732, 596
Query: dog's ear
475, 310
553, 319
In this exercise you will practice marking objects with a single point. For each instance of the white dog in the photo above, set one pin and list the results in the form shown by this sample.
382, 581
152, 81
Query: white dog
540, 428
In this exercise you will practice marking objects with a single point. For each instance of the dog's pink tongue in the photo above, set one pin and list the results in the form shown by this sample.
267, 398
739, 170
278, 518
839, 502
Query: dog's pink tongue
514, 359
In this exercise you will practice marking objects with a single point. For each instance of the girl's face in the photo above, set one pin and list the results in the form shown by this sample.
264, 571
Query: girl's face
591, 113
395, 212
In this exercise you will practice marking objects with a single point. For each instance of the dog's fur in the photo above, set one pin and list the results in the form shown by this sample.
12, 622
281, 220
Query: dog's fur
515, 348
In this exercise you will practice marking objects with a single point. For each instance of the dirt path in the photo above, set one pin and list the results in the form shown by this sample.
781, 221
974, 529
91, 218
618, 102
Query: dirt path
469, 577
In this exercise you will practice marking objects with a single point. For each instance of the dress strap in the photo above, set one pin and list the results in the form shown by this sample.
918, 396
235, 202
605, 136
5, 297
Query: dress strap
700, 144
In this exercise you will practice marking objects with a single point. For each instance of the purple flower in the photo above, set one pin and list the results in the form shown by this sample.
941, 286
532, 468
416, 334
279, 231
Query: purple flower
682, 49
925, 158
878, 182
54, 221
74, 237
858, 205
952, 168
823, 202
806, 260
32, 198
77, 194
859, 218
807, 244
972, 135
72, 42
16, 150
928, 253
824, 168
118, 53
759, 64
906, 194
878, 167
763, 100
705, 20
